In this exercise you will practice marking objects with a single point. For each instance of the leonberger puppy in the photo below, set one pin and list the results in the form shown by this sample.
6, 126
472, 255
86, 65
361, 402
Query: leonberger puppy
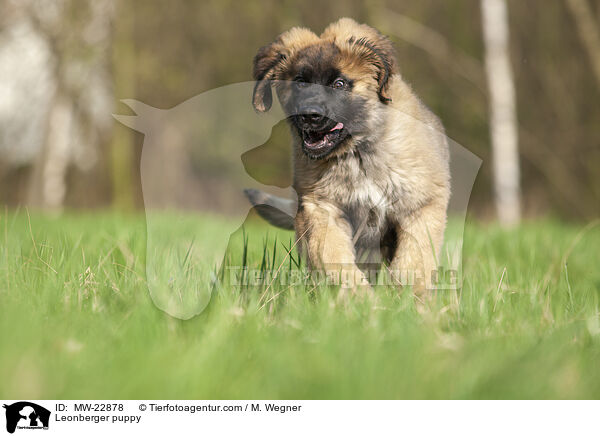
371, 162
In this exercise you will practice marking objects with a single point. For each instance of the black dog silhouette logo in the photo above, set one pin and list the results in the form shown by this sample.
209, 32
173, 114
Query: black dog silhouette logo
26, 415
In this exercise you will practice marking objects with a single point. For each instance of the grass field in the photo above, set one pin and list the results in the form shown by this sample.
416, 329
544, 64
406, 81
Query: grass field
76, 321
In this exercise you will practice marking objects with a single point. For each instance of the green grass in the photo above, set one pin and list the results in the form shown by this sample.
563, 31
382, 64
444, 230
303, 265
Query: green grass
76, 321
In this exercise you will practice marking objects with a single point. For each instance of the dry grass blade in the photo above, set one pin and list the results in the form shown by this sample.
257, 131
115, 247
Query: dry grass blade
35, 245
497, 297
281, 264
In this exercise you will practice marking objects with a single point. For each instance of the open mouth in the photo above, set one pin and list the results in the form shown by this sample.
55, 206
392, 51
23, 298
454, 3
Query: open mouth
320, 142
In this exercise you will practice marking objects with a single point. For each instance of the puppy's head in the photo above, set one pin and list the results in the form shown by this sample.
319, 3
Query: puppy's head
331, 87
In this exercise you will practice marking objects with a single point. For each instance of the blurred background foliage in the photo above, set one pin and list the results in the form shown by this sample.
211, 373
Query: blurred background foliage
89, 55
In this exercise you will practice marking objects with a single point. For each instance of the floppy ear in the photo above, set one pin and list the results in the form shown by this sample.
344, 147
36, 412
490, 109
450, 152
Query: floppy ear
379, 52
270, 60
368, 45
266, 62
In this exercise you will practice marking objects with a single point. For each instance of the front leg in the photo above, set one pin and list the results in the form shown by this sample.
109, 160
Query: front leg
326, 239
420, 238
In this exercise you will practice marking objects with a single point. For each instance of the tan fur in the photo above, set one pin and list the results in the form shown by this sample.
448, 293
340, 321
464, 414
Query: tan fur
403, 179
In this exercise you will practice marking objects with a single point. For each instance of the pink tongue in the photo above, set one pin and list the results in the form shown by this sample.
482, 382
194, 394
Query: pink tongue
338, 126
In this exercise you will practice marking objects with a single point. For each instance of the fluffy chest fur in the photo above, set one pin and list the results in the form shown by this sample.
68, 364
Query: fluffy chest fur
370, 182
351, 182
368, 196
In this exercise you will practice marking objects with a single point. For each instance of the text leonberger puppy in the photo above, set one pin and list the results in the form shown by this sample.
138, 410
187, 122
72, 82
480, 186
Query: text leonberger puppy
371, 162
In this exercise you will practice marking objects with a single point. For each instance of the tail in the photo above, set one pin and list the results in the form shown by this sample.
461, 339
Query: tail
276, 210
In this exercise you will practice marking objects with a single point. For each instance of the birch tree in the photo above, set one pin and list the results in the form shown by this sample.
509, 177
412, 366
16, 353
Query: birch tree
55, 91
502, 106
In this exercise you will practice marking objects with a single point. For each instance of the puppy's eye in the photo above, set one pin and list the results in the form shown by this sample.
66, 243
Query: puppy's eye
339, 83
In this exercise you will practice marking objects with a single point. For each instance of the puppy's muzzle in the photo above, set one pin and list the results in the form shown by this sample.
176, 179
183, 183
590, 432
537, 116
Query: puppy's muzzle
311, 117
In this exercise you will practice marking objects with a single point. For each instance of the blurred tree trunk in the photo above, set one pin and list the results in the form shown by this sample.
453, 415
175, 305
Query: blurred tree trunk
79, 113
123, 69
27, 90
588, 32
47, 187
503, 119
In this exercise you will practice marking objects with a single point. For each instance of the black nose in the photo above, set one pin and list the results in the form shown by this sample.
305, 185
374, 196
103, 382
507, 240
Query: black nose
311, 115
